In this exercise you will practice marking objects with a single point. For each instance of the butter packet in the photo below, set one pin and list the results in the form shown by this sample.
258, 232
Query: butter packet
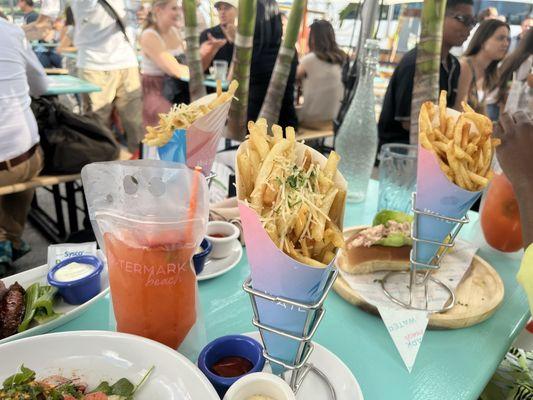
60, 252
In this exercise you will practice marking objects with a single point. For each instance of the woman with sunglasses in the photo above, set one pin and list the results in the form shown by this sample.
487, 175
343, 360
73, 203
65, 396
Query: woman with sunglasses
479, 66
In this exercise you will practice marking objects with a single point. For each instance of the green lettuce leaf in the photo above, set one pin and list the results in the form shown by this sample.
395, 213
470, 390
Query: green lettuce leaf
46, 299
25, 375
31, 296
39, 305
122, 387
42, 317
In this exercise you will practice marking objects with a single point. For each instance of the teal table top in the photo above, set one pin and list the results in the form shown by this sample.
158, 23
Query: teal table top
68, 84
451, 364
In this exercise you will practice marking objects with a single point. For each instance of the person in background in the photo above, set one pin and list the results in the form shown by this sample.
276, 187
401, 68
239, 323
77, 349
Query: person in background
479, 66
21, 159
46, 51
107, 58
483, 15
142, 13
514, 156
66, 36
43, 24
216, 43
320, 72
525, 26
26, 6
518, 65
267, 41
159, 39
394, 121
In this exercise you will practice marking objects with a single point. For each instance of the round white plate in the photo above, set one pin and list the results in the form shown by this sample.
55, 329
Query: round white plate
95, 356
314, 388
215, 267
68, 311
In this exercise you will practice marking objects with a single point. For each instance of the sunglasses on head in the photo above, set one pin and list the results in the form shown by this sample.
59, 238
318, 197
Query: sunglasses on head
467, 20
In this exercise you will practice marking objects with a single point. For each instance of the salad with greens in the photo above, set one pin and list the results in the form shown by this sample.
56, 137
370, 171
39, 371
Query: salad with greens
24, 386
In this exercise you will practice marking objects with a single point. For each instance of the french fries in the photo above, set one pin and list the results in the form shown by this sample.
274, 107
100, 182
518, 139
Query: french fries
463, 148
183, 116
297, 199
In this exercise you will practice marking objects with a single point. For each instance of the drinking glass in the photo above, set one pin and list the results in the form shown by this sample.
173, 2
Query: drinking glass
397, 176
220, 68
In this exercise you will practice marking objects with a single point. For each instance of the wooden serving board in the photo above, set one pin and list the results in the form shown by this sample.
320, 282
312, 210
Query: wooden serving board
477, 297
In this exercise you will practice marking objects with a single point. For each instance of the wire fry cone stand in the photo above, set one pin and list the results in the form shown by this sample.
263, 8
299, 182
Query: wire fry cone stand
300, 369
420, 274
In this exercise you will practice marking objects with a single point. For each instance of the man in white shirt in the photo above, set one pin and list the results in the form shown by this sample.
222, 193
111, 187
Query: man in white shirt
21, 74
106, 57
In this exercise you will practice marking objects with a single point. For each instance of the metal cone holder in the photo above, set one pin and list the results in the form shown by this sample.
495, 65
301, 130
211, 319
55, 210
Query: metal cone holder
315, 312
423, 278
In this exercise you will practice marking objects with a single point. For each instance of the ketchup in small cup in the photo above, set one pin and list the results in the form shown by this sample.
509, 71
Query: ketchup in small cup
229, 358
222, 235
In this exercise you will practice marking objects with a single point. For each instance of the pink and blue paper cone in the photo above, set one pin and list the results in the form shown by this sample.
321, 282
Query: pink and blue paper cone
277, 274
436, 193
198, 144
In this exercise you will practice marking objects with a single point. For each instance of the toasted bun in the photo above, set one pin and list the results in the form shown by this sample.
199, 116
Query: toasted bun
365, 260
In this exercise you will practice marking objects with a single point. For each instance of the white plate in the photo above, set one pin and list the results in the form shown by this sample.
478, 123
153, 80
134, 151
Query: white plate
95, 356
68, 311
342, 379
219, 266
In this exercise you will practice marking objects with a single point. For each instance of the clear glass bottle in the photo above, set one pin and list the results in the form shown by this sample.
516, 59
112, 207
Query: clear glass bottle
357, 138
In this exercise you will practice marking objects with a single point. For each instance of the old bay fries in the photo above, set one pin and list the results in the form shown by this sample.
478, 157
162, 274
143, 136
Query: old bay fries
182, 116
298, 200
463, 147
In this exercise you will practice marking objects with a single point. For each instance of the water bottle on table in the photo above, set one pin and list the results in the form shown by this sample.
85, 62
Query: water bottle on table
357, 139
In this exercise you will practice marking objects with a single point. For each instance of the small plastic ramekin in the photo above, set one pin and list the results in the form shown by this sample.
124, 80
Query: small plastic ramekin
81, 290
262, 384
200, 258
227, 346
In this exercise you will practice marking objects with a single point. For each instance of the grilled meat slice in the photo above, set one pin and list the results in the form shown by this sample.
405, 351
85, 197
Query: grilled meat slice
12, 309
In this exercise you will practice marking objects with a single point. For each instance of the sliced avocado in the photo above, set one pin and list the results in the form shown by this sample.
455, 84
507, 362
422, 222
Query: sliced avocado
387, 215
396, 240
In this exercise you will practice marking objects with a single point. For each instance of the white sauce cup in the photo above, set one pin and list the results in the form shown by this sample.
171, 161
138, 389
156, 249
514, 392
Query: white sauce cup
260, 384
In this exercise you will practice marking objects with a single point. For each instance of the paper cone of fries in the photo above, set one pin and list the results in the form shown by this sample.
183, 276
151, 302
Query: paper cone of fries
275, 272
437, 167
196, 144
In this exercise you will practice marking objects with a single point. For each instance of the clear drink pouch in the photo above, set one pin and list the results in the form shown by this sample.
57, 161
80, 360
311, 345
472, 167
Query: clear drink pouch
149, 217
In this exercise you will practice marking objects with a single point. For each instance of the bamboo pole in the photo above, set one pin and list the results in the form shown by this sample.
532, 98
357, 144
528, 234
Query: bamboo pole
242, 58
278, 81
192, 38
428, 59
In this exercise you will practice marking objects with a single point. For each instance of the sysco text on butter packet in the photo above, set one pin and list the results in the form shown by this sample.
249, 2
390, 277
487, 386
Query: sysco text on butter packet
60, 252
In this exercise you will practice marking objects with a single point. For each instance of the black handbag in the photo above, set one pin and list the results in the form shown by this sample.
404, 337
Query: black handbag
71, 141
175, 90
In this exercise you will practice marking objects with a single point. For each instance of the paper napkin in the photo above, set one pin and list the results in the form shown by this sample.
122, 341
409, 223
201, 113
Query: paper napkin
407, 327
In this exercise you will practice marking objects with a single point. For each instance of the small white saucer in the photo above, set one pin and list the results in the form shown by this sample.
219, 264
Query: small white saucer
313, 387
218, 266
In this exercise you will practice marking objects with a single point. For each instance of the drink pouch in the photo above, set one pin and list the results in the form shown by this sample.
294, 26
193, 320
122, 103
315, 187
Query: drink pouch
149, 217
